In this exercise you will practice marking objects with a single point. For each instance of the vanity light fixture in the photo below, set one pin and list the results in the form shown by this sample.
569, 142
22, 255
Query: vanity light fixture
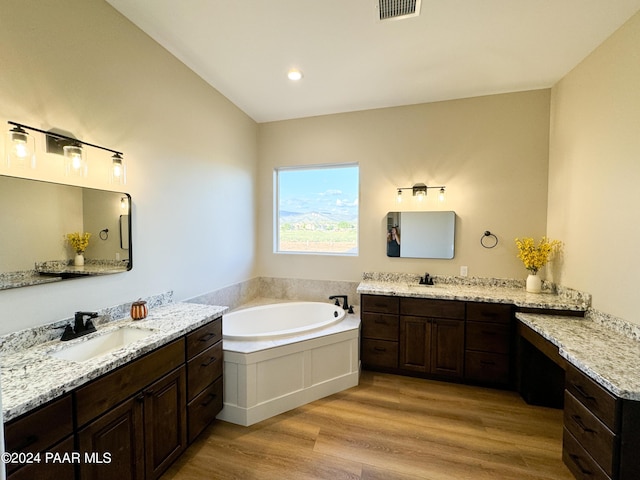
64, 144
118, 170
419, 190
19, 148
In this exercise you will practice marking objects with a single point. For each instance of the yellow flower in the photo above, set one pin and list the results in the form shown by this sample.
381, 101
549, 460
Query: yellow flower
535, 257
79, 242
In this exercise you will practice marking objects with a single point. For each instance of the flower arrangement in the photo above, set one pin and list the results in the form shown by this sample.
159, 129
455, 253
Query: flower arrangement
79, 242
535, 256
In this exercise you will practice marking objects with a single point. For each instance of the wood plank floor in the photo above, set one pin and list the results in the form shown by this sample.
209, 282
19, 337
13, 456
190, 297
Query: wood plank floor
388, 428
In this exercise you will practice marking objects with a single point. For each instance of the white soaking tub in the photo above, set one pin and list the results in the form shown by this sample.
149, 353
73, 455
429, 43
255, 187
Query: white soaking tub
283, 355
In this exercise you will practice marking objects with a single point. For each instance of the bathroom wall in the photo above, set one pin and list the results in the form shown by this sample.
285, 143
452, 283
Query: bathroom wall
80, 66
491, 153
594, 173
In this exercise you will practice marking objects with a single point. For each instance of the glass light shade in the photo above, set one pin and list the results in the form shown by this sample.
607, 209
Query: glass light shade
118, 170
399, 196
421, 194
20, 149
441, 195
75, 163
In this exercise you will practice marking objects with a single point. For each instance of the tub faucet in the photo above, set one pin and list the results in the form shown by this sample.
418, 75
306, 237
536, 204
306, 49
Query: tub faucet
345, 305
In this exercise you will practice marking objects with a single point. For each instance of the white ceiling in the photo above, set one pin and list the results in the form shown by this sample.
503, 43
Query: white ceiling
351, 61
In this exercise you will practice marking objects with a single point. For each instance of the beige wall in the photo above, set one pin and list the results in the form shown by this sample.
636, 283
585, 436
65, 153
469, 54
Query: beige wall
491, 152
80, 66
594, 173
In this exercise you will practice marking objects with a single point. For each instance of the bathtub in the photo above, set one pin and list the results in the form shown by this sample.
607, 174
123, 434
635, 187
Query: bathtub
280, 356
280, 320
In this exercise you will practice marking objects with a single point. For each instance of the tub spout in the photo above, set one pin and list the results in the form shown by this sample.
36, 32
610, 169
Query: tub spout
345, 305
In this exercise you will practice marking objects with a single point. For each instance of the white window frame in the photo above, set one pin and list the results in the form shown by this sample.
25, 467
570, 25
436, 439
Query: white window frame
276, 209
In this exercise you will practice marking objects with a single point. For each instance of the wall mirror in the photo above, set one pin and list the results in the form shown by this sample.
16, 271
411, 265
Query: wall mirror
35, 217
421, 234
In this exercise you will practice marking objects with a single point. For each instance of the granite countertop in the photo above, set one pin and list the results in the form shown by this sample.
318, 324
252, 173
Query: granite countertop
607, 355
491, 293
31, 377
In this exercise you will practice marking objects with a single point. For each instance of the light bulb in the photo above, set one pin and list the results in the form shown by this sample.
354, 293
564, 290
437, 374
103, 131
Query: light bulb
441, 195
74, 162
19, 148
399, 196
117, 173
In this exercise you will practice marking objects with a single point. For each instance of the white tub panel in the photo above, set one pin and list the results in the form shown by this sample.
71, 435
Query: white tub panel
279, 376
273, 382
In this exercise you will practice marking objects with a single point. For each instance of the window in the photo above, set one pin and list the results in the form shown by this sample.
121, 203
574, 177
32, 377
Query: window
317, 209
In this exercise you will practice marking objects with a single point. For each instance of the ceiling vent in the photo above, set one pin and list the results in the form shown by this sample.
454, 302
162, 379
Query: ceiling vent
397, 9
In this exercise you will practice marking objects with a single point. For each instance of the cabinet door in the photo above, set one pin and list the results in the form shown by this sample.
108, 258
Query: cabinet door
118, 434
415, 341
447, 347
165, 422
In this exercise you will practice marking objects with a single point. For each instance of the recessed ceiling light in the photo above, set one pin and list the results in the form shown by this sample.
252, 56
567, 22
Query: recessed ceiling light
294, 74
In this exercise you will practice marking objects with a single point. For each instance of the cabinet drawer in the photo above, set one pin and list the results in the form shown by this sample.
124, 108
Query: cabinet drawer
432, 308
488, 337
380, 326
579, 461
203, 369
379, 353
202, 338
204, 408
599, 401
48, 470
486, 367
489, 312
38, 430
590, 432
105, 392
379, 304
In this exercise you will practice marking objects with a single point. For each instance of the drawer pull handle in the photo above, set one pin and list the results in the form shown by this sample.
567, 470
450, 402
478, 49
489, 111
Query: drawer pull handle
210, 398
380, 321
380, 349
211, 360
583, 392
485, 362
578, 461
140, 398
30, 440
207, 337
578, 420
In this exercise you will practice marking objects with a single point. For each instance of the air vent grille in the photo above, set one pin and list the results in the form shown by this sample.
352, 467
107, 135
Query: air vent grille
395, 9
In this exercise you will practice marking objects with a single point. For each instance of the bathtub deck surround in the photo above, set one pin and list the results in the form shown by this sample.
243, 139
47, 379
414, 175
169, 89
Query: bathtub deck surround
282, 369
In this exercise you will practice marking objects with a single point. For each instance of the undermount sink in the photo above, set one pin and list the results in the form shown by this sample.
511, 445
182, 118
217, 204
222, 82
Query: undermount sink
102, 344
420, 286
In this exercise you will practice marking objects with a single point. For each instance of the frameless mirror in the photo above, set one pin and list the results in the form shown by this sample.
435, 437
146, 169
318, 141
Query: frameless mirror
36, 216
421, 234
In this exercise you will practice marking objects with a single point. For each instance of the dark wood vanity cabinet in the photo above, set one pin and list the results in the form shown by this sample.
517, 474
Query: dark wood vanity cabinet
488, 343
432, 336
46, 430
600, 437
135, 415
451, 339
204, 377
380, 331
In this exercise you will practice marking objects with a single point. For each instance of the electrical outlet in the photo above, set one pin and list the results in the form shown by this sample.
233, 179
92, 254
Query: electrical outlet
464, 271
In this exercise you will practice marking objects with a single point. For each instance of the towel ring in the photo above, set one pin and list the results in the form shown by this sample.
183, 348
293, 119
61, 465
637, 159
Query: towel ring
492, 242
104, 234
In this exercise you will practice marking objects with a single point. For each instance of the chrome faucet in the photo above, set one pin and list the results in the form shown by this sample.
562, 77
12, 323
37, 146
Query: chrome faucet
80, 327
345, 305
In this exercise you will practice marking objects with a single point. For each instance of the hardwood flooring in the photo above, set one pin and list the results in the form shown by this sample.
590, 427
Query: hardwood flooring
388, 428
